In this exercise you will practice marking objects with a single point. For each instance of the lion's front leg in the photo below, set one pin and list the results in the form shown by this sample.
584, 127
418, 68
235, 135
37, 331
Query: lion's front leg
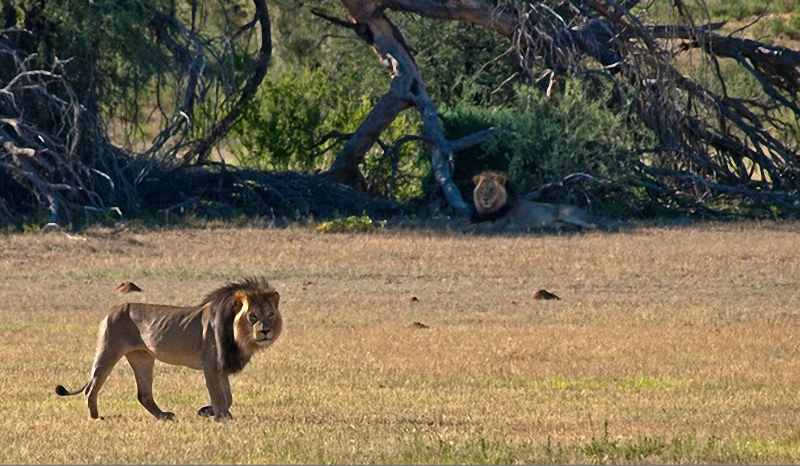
488, 227
219, 389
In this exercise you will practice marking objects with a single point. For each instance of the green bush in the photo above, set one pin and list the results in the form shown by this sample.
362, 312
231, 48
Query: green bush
350, 225
281, 126
543, 140
290, 115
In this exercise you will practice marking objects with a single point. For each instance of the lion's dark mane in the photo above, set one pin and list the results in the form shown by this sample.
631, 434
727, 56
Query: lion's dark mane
511, 202
230, 358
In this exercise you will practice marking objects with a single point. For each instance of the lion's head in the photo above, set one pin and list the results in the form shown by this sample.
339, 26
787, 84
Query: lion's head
258, 323
493, 196
246, 319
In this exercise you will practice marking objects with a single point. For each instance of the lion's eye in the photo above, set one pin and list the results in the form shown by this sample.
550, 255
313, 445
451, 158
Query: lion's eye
253, 319
271, 315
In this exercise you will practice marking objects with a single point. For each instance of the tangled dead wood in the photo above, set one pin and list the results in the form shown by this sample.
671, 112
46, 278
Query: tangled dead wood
712, 145
217, 190
40, 134
53, 154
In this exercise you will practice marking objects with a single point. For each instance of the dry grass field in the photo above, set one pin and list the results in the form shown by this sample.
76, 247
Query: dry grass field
669, 345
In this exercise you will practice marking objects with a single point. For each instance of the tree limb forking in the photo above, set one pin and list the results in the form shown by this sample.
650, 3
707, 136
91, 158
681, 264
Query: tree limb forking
345, 168
714, 140
407, 89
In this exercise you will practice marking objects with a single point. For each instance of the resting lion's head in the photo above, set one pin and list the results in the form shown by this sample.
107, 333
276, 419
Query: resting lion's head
493, 196
246, 318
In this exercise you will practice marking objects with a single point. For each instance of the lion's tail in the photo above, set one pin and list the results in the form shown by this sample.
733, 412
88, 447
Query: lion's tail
61, 391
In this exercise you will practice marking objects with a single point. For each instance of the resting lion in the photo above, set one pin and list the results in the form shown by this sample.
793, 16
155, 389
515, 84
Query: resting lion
218, 337
497, 208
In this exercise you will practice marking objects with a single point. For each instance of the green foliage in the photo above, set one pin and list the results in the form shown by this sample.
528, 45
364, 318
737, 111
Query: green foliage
733, 10
470, 72
745, 9
127, 60
737, 9
778, 26
459, 61
113, 37
543, 140
324, 79
350, 224
280, 128
291, 114
105, 49
738, 83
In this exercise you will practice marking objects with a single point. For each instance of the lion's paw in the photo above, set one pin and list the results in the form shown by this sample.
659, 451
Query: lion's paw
223, 415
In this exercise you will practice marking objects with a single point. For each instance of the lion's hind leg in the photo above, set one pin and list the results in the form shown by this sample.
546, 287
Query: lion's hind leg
103, 364
575, 216
580, 222
142, 363
104, 361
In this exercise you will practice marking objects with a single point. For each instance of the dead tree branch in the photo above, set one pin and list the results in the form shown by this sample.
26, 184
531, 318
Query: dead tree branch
204, 71
202, 148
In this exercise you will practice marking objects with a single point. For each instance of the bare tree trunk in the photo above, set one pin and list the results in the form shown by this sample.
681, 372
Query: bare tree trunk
345, 168
407, 89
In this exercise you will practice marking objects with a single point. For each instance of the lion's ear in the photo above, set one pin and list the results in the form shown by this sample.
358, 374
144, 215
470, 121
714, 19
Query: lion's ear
274, 299
477, 178
501, 178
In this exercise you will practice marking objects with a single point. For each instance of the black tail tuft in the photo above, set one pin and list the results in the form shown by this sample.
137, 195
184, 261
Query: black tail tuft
61, 391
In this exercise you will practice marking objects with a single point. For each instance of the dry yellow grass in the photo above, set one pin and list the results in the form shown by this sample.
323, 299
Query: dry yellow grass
668, 345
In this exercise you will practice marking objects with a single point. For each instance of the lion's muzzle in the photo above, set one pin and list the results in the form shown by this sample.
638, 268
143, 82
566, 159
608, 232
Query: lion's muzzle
265, 335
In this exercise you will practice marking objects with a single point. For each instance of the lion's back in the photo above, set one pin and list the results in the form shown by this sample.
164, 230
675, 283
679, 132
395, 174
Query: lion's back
172, 334
530, 215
